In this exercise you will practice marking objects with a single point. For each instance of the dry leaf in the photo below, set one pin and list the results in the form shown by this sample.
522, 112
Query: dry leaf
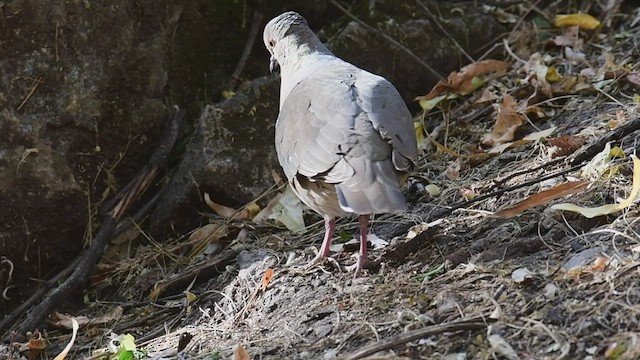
246, 213
239, 353
566, 144
570, 37
537, 70
521, 275
206, 237
266, 279
453, 170
609, 208
507, 122
33, 348
66, 350
463, 82
501, 347
543, 198
600, 264
584, 21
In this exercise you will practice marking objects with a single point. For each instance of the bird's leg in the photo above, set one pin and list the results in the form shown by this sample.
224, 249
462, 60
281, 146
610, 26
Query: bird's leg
325, 249
329, 230
363, 221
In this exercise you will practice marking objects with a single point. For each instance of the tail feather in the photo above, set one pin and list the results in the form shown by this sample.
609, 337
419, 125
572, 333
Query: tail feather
374, 188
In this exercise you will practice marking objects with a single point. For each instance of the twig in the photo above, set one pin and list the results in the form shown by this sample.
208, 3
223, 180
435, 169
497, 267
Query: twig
616, 134
390, 39
526, 171
475, 323
465, 204
33, 90
443, 30
88, 260
253, 33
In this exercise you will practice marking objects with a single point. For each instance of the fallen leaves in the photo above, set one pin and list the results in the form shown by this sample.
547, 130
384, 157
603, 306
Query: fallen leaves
463, 82
507, 122
543, 198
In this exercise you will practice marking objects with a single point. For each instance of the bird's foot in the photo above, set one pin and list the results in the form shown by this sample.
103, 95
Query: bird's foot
316, 264
357, 268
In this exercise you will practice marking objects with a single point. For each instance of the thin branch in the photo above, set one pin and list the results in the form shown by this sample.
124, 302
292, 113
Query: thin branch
475, 323
443, 30
391, 40
82, 268
258, 15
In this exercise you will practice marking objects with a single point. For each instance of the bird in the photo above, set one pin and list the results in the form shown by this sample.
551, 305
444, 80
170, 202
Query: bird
344, 136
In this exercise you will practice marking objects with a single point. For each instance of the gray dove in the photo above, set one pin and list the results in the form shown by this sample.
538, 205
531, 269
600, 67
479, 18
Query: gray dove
344, 137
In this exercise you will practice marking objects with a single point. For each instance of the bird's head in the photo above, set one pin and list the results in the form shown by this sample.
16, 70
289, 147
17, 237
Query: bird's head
283, 32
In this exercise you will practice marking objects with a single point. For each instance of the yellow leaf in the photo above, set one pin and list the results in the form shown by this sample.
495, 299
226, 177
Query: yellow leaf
616, 152
584, 21
552, 74
419, 133
191, 297
431, 103
609, 208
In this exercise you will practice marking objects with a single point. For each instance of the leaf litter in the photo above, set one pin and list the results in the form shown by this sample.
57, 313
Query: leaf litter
469, 264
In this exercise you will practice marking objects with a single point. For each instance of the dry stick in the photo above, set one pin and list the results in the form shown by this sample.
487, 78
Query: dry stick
526, 171
390, 39
132, 192
475, 323
616, 134
253, 33
35, 297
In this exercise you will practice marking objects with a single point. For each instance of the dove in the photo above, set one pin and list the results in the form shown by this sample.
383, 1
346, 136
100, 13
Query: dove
344, 136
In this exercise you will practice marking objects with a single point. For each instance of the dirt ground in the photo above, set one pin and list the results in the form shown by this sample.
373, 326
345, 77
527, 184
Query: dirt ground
456, 280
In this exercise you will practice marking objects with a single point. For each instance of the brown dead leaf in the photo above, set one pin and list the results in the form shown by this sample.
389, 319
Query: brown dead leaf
246, 213
462, 82
65, 321
507, 122
266, 279
543, 198
205, 236
569, 37
239, 353
566, 144
620, 119
33, 348
537, 70
600, 264
453, 170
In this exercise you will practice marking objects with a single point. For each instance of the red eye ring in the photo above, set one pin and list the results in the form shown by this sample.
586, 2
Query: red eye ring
272, 43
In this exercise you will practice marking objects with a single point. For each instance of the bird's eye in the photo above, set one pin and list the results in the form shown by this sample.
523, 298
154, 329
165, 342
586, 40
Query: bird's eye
272, 43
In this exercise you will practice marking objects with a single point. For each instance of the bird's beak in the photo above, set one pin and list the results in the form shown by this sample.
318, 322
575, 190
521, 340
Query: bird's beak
273, 63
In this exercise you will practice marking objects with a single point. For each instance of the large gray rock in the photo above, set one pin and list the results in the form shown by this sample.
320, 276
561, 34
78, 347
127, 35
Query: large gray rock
81, 88
230, 156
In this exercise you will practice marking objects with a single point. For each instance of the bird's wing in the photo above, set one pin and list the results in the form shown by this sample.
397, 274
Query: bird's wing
389, 115
315, 129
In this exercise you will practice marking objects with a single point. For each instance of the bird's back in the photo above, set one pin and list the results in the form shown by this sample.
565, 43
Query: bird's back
345, 139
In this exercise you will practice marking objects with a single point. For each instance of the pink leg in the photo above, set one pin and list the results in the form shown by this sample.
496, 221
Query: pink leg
325, 249
363, 220
329, 229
